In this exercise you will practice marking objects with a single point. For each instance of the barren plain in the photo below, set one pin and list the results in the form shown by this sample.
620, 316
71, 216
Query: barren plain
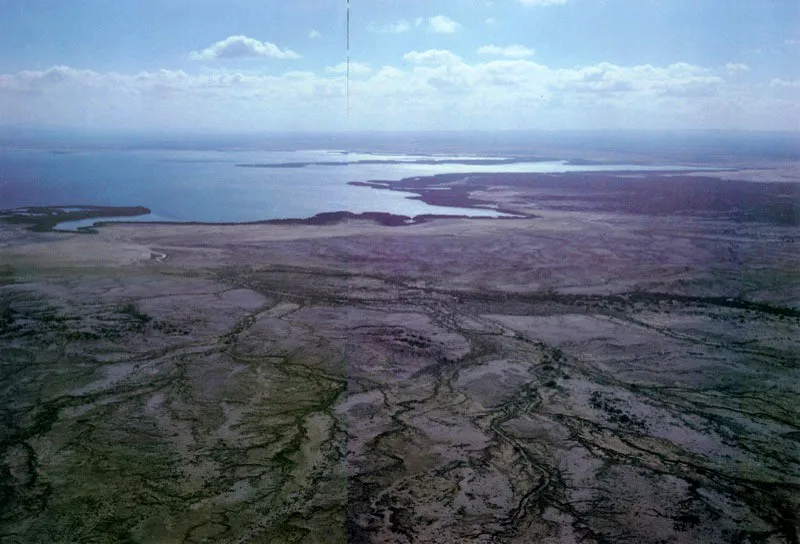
620, 365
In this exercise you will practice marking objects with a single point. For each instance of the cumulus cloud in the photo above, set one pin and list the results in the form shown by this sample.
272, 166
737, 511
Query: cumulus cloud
429, 89
441, 24
693, 88
510, 51
390, 28
356, 68
733, 67
58, 77
424, 71
242, 47
542, 2
679, 79
314, 34
783, 83
432, 56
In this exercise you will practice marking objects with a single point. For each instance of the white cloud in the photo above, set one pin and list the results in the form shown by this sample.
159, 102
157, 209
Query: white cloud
35, 81
511, 51
242, 47
679, 79
390, 28
542, 2
356, 68
430, 89
783, 83
172, 100
491, 21
314, 34
432, 56
734, 67
791, 42
439, 89
441, 24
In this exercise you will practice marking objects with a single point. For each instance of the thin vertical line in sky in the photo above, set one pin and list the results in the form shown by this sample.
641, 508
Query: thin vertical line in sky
347, 77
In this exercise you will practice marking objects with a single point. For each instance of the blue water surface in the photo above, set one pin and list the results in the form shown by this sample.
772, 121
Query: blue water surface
208, 186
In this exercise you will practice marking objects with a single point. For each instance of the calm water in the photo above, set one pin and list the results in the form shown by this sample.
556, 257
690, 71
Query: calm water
185, 185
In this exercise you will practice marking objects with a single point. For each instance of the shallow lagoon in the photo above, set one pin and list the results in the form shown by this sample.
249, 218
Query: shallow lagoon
208, 186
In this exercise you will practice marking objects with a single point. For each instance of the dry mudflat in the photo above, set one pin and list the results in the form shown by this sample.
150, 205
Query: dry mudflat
580, 376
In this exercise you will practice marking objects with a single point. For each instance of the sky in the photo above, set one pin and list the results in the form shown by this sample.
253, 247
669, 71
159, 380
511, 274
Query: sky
266, 65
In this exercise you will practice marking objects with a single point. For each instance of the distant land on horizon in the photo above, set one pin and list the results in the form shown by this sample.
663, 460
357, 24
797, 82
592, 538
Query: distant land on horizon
695, 146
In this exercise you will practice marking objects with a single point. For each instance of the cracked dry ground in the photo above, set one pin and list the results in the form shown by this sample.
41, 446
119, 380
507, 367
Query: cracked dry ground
597, 383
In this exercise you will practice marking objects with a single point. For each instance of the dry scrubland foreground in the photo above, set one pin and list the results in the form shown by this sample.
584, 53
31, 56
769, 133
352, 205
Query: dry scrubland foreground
576, 377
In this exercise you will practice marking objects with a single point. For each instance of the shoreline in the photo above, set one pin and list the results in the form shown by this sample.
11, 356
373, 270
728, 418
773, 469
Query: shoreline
47, 218
652, 193
324, 219
510, 195
385, 219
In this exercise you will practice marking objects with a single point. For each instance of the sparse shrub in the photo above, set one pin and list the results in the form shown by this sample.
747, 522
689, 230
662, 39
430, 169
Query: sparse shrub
129, 307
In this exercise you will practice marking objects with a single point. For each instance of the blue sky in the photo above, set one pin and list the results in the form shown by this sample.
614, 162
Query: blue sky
503, 64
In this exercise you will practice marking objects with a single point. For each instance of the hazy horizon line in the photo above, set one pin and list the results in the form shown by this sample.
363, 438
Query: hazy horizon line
6, 131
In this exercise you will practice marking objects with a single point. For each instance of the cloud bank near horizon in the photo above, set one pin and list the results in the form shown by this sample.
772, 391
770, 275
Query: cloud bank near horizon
429, 89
